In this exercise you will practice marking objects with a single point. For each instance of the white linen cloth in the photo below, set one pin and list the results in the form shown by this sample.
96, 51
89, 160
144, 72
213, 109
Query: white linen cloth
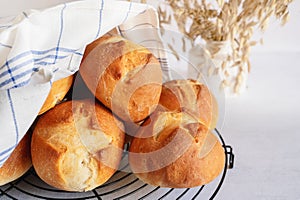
38, 47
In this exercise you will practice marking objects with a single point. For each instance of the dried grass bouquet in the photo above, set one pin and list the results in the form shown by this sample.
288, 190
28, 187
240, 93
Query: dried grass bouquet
228, 24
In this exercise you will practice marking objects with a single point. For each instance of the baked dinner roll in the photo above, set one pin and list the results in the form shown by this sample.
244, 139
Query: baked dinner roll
175, 150
58, 91
77, 145
191, 97
124, 76
18, 163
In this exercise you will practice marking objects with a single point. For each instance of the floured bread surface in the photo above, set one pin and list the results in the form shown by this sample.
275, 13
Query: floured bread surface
191, 97
172, 149
70, 142
124, 76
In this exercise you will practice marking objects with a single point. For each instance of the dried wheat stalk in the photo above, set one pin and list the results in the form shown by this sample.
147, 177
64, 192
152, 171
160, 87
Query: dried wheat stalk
227, 20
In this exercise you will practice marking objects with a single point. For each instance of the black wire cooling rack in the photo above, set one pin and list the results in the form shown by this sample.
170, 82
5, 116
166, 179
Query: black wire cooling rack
123, 185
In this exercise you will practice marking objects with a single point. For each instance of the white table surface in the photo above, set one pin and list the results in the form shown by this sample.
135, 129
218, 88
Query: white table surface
263, 124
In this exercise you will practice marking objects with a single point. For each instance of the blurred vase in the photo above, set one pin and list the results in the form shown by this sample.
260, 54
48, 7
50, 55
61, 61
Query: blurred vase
233, 73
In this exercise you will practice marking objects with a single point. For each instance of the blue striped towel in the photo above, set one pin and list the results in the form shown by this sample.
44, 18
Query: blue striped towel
38, 47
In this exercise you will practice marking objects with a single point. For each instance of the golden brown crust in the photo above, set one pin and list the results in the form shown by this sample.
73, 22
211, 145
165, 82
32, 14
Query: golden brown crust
175, 150
58, 91
74, 140
18, 163
191, 97
42, 148
124, 76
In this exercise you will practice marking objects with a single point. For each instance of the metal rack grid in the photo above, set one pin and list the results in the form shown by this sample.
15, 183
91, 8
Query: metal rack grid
122, 185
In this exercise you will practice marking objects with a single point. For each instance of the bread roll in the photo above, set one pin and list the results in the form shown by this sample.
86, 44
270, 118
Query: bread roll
18, 163
77, 146
175, 150
124, 76
58, 91
191, 97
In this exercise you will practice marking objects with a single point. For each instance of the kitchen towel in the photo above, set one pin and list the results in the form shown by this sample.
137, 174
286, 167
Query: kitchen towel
38, 47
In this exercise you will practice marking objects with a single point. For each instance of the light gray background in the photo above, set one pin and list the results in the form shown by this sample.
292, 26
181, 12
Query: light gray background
263, 124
